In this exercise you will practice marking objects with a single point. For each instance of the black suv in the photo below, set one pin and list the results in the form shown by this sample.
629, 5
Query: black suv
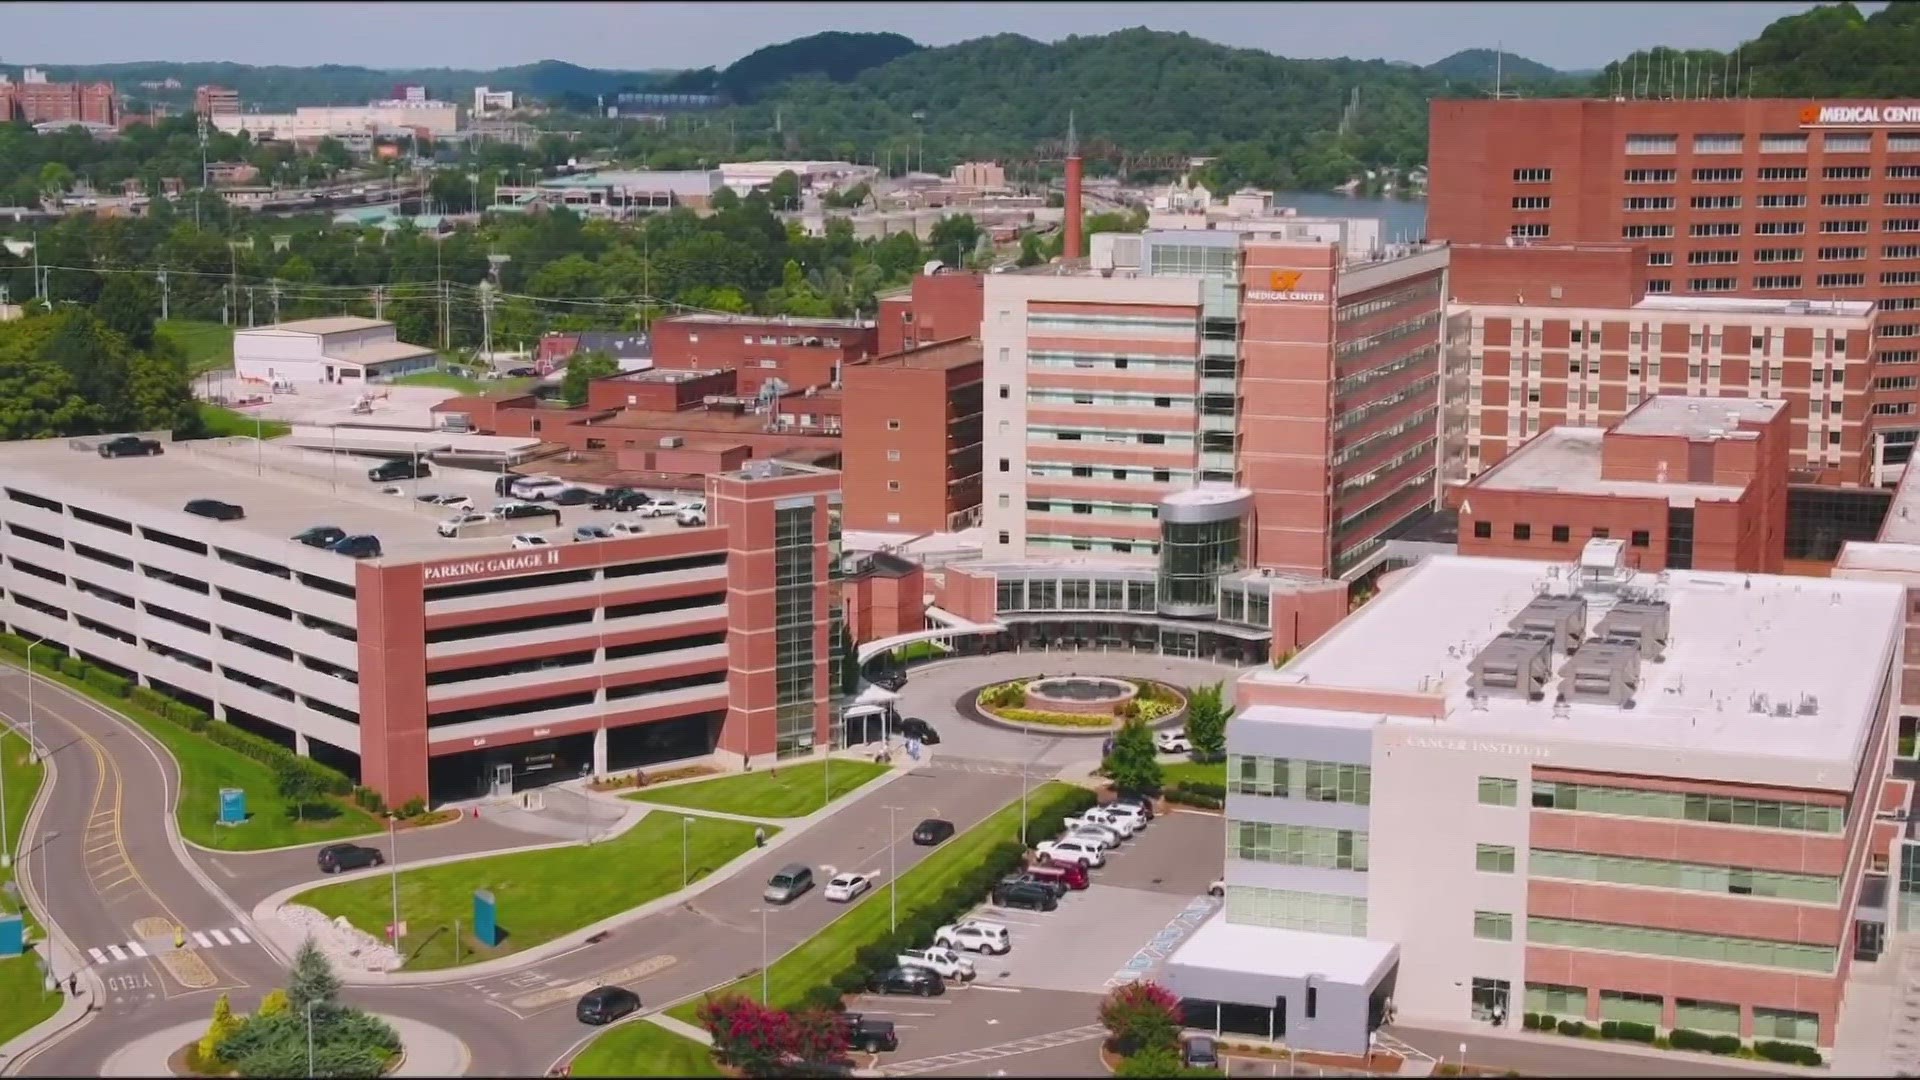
866, 1033
1057, 885
620, 498
605, 1004
915, 728
924, 982
337, 857
321, 536
215, 509
130, 446
573, 496
1025, 894
398, 469
513, 511
357, 547
932, 831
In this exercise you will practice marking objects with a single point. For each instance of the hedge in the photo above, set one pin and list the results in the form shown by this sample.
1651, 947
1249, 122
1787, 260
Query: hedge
1187, 796
1791, 1053
265, 751
1688, 1039
1627, 1029
1572, 1028
1052, 719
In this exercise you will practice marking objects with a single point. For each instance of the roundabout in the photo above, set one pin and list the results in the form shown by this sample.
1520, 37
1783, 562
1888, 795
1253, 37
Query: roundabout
426, 1050
1074, 704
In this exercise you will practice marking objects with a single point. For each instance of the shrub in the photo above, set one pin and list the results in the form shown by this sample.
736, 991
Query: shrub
1574, 1028
1186, 796
1791, 1053
222, 1027
73, 667
14, 644
108, 682
150, 699
1052, 719
274, 1003
1201, 787
1548, 1022
45, 656
369, 800
1142, 1016
1724, 1044
1149, 1063
1530, 1021
413, 807
1630, 1031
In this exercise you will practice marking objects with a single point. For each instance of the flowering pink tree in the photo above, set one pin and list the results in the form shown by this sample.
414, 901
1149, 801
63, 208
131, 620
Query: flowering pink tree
1141, 1015
762, 1041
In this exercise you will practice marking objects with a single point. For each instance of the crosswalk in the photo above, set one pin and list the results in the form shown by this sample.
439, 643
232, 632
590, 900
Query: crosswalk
134, 950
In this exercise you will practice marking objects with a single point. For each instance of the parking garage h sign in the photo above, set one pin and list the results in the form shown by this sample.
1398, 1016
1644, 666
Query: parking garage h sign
499, 564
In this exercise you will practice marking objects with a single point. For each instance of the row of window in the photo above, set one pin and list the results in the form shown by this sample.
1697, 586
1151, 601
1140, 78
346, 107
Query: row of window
1793, 142
1298, 845
1680, 944
1317, 913
1693, 1014
1288, 778
1692, 877
1562, 534
1688, 806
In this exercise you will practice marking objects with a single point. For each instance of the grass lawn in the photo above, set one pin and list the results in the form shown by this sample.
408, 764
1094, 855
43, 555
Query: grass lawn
832, 949
206, 767
1210, 772
466, 384
541, 894
798, 790
222, 422
640, 1048
208, 346
24, 1001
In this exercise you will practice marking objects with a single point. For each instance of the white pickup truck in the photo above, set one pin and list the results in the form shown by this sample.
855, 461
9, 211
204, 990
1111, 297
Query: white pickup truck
950, 964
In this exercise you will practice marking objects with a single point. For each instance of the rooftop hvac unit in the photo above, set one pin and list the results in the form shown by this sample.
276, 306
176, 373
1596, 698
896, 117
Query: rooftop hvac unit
1561, 618
672, 442
1644, 624
1512, 665
1601, 673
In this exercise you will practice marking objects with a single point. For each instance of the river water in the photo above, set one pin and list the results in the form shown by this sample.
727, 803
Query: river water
1402, 219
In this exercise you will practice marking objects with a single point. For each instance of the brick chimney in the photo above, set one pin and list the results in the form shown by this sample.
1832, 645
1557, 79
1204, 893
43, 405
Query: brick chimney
1071, 248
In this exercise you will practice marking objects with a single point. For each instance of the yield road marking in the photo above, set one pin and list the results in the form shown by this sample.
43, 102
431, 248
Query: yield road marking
201, 938
114, 951
98, 956
219, 937
136, 948
240, 937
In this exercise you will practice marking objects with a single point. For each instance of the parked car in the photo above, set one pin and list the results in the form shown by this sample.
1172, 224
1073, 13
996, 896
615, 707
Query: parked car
975, 935
1172, 742
919, 981
335, 858
691, 517
1111, 835
357, 547
866, 1033
535, 488
892, 679
605, 1004
591, 532
1083, 851
788, 883
130, 446
1053, 883
1071, 875
320, 536
457, 502
524, 541
1120, 822
932, 831
939, 958
1200, 1052
523, 372
627, 528
1139, 802
573, 496
513, 511
845, 888
1024, 894
620, 498
917, 729
1129, 811
503, 484
660, 508
399, 469
215, 509
1099, 834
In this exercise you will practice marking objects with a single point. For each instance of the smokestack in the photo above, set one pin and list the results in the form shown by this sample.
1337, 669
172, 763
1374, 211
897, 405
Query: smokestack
1071, 249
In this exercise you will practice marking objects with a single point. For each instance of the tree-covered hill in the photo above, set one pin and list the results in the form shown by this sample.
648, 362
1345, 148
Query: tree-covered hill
1480, 65
1828, 51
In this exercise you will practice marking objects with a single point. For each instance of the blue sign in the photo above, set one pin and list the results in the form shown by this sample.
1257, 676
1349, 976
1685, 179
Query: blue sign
233, 806
13, 935
486, 929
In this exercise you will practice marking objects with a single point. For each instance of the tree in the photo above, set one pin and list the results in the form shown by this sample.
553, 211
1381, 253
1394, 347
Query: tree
1207, 722
784, 191
1133, 765
311, 981
274, 1003
954, 237
1152, 1063
299, 783
1030, 250
128, 306
224, 1025
583, 369
1142, 1016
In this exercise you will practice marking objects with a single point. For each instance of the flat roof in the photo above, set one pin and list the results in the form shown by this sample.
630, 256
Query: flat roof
338, 324
1271, 951
1697, 417
381, 352
1731, 636
1855, 309
1902, 524
1566, 460
938, 356
285, 490
771, 321
1899, 557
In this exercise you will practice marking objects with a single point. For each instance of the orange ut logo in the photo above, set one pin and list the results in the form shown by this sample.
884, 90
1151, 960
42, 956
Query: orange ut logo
1284, 280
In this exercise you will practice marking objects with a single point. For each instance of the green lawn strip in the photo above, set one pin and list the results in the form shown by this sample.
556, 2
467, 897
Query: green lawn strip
1193, 772
639, 1048
541, 894
24, 1000
829, 952
221, 422
208, 346
206, 767
794, 791
466, 384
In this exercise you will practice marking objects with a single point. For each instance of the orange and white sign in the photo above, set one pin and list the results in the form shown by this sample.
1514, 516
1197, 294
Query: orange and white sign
1284, 288
1859, 115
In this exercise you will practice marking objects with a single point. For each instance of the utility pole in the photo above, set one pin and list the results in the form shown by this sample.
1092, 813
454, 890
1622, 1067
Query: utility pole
163, 293
250, 321
39, 291
486, 321
379, 300
274, 290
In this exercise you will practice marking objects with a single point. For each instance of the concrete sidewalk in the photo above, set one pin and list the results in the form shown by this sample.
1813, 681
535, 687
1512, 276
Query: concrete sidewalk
266, 913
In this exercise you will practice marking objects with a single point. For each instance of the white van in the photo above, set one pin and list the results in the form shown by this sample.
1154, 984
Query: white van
535, 488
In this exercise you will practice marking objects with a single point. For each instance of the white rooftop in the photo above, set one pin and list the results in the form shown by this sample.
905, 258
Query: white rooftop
1698, 417
1731, 636
1567, 460
1850, 309
338, 324
1902, 524
1220, 945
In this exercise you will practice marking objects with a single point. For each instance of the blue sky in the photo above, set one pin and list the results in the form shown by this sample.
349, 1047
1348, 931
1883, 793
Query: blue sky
659, 35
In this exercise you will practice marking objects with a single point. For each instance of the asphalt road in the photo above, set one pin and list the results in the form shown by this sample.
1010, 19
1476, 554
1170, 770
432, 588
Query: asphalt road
111, 876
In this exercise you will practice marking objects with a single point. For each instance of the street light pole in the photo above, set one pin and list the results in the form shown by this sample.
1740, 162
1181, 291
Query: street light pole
893, 878
6, 850
686, 823
33, 747
763, 954
393, 860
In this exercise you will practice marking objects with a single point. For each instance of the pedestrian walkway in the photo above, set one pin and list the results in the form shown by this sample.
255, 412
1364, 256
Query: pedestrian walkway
135, 949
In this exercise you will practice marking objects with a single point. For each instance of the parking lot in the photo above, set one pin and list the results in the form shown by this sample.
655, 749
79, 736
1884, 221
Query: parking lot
1034, 1011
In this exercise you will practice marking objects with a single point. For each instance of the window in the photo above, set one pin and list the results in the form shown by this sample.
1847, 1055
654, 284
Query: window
1715, 202
1776, 281
1635, 1008
1649, 941
1901, 225
1319, 913
1848, 142
1649, 202
1298, 845
893, 455
1493, 925
1499, 791
1840, 281
1561, 534
1717, 176
1712, 284
1691, 877
1849, 226
1493, 858
1532, 202
1775, 173
1785, 1024
1903, 141
893, 425
1778, 255
893, 485
1650, 176
1782, 202
1483, 530
1533, 231
1555, 999
1715, 228
1532, 176
1846, 172
1003, 391
1894, 198
1641, 538
1844, 198
1522, 531
1680, 806
1659, 285
1004, 464
1712, 258
1842, 254
1653, 144
1780, 228
1313, 1001
1900, 251
1695, 1015
1646, 232
1715, 144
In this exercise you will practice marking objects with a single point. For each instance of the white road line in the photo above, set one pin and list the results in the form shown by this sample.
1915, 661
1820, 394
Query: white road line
114, 951
136, 948
997, 989
240, 937
202, 939
220, 937
98, 956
